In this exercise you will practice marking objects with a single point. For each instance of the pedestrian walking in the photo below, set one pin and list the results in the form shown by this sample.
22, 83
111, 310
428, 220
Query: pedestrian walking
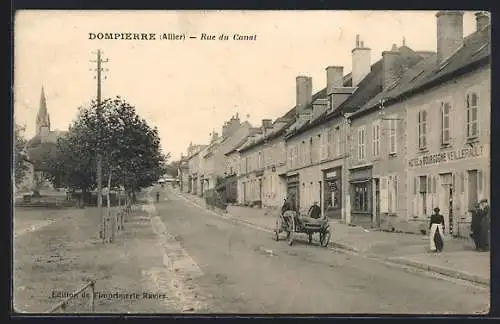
475, 225
484, 225
157, 196
436, 228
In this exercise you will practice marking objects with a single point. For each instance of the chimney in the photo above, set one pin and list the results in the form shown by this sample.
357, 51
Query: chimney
334, 78
361, 62
224, 129
215, 136
267, 123
390, 66
450, 33
303, 94
482, 20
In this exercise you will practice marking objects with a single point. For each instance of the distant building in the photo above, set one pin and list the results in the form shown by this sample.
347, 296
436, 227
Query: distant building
44, 134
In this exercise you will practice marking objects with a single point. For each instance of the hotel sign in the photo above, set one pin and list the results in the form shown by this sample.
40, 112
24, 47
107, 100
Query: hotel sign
444, 157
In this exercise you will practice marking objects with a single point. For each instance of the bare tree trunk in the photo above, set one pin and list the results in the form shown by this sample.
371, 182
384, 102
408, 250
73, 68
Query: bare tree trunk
110, 216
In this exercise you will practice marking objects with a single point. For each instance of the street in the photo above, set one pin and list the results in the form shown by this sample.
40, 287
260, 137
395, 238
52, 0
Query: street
240, 269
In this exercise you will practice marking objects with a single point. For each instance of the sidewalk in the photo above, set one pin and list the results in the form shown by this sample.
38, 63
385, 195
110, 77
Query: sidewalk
457, 260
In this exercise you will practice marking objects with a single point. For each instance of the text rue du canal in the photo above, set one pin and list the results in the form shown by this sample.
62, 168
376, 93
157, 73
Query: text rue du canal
170, 36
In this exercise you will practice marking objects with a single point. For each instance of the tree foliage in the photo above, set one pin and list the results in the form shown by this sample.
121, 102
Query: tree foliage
130, 148
42, 154
20, 156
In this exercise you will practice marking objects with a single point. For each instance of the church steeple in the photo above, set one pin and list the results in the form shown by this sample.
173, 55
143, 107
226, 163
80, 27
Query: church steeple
42, 118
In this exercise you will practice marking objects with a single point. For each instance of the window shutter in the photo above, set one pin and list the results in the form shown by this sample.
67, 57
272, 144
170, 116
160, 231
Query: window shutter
415, 185
384, 196
373, 140
396, 187
480, 180
324, 140
395, 136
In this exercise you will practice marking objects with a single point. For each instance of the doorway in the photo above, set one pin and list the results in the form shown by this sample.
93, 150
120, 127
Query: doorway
472, 188
446, 204
377, 203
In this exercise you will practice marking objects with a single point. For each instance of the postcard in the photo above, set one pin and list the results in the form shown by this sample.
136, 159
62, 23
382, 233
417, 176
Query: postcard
251, 162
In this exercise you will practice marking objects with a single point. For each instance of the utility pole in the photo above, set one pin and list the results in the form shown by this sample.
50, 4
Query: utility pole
99, 71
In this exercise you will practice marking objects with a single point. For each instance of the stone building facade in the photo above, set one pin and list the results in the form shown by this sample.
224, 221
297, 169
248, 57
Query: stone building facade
426, 135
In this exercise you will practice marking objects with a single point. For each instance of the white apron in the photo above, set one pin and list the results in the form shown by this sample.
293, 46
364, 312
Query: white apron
434, 228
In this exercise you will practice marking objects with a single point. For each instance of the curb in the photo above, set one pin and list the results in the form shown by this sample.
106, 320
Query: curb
343, 246
441, 270
415, 264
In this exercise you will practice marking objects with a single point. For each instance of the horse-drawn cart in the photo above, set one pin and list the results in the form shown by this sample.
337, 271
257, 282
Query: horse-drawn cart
291, 223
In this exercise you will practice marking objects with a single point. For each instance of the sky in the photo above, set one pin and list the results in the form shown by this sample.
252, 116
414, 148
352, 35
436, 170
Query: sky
189, 88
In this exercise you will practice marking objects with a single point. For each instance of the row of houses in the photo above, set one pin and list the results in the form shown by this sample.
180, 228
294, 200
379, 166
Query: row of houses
381, 146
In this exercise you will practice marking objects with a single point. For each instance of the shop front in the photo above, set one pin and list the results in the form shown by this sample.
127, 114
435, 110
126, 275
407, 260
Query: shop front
360, 191
293, 191
332, 193
454, 181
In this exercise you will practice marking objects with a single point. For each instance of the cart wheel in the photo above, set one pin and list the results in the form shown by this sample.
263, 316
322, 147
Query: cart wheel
310, 238
324, 239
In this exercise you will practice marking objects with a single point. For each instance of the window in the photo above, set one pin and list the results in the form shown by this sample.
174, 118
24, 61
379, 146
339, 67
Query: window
423, 194
422, 129
393, 135
338, 143
321, 140
361, 197
376, 139
330, 142
445, 123
361, 143
472, 122
302, 157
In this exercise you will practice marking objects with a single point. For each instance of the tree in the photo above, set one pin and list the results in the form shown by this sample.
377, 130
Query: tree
20, 156
42, 154
72, 165
130, 148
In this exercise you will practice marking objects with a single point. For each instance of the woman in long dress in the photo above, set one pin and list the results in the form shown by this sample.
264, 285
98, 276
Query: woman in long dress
436, 229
